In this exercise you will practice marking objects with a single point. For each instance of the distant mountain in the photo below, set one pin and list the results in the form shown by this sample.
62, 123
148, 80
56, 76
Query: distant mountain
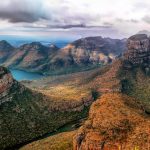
80, 55
90, 51
30, 56
5, 50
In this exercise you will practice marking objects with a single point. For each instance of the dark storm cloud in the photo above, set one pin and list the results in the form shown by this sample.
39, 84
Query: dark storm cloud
21, 11
20, 16
31, 11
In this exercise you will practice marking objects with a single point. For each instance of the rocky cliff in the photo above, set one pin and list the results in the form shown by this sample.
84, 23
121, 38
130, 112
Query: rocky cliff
6, 81
89, 51
113, 124
113, 121
138, 52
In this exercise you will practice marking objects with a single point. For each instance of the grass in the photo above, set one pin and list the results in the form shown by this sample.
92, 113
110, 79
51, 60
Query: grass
61, 141
65, 92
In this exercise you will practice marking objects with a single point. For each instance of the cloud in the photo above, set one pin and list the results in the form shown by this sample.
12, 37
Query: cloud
21, 11
46, 15
146, 19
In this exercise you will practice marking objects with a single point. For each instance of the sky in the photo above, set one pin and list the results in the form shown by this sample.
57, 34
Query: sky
79, 18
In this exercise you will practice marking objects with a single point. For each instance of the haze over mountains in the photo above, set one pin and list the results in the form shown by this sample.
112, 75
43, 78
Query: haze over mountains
81, 54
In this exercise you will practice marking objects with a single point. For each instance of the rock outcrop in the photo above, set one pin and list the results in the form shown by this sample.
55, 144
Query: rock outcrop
6, 81
113, 121
138, 52
5, 50
91, 50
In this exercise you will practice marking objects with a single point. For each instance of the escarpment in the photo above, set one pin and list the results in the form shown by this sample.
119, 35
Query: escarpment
138, 52
120, 118
7, 85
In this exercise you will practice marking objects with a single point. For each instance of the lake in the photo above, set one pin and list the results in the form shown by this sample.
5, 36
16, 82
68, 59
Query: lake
23, 75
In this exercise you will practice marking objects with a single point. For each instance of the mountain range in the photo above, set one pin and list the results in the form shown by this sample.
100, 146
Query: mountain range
118, 94
119, 117
79, 55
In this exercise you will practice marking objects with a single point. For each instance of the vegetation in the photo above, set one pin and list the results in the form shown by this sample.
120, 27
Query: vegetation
62, 141
30, 115
136, 83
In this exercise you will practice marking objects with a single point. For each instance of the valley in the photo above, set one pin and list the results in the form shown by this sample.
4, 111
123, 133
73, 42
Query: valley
57, 103
122, 100
74, 75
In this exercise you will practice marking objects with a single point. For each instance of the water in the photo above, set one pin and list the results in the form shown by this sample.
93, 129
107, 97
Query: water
23, 75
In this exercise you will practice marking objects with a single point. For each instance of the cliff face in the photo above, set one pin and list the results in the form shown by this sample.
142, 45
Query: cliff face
6, 81
138, 52
113, 121
103, 45
91, 50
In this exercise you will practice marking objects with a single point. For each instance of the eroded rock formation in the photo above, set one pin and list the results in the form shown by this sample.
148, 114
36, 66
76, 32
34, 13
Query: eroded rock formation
6, 82
138, 50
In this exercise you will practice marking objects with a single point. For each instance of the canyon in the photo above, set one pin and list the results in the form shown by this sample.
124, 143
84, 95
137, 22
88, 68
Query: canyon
118, 94
120, 120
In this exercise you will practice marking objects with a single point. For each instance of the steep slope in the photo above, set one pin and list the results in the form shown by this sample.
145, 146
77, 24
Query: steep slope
31, 56
26, 114
87, 52
114, 119
83, 54
5, 50
61, 141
